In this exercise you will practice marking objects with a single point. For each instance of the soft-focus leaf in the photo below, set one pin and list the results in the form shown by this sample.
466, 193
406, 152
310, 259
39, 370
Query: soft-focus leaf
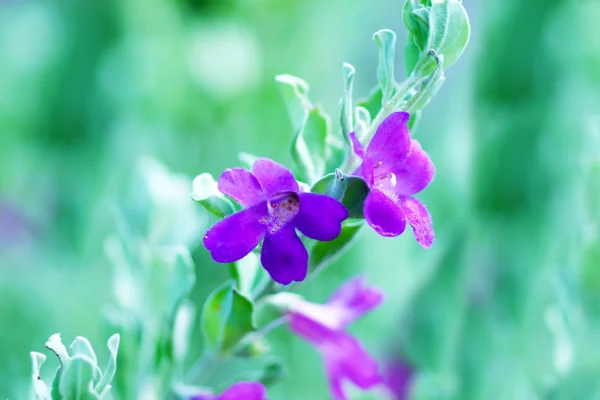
182, 331
430, 86
205, 191
363, 121
351, 191
226, 318
309, 146
295, 94
346, 108
103, 385
274, 371
77, 380
323, 253
82, 346
40, 390
386, 41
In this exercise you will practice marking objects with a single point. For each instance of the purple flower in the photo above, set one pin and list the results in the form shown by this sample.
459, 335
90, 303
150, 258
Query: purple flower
239, 391
395, 168
324, 326
398, 377
274, 208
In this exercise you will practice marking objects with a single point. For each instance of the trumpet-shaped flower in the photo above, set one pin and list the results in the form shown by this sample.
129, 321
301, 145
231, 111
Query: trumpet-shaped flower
324, 326
238, 391
274, 209
395, 168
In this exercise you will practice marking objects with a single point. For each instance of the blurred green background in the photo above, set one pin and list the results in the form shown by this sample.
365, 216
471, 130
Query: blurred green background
506, 305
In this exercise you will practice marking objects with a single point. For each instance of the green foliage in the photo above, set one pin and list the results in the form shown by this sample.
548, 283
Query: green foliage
78, 377
206, 192
386, 41
227, 317
323, 253
314, 147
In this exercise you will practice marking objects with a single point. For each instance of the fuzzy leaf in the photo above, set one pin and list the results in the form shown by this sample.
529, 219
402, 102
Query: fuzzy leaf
386, 41
205, 191
77, 380
346, 109
111, 367
40, 390
309, 146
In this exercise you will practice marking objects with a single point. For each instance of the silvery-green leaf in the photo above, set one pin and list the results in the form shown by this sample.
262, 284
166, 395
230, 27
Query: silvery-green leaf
55, 345
411, 54
346, 108
295, 94
103, 385
40, 390
363, 121
205, 191
82, 346
309, 146
449, 30
77, 380
386, 41
430, 86
182, 331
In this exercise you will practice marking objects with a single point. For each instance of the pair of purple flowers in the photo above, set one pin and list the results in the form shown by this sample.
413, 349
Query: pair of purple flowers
324, 327
393, 166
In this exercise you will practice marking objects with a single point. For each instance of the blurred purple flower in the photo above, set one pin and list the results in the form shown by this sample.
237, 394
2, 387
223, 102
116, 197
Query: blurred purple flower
395, 168
324, 326
238, 391
274, 208
398, 377
13, 226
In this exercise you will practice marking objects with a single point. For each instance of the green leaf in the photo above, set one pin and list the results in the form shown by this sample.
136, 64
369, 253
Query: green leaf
421, 18
226, 318
449, 30
273, 372
372, 103
103, 385
81, 346
182, 331
324, 253
413, 122
205, 191
295, 94
411, 54
346, 114
309, 146
430, 86
40, 390
386, 41
351, 191
77, 380
363, 121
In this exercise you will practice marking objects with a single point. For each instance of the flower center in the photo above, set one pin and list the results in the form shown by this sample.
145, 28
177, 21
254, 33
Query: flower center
282, 210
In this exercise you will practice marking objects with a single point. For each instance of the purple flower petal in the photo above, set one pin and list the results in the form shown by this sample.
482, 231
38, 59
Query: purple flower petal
242, 186
383, 214
273, 177
355, 298
390, 145
244, 391
234, 237
320, 216
284, 256
418, 217
415, 173
398, 377
346, 359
